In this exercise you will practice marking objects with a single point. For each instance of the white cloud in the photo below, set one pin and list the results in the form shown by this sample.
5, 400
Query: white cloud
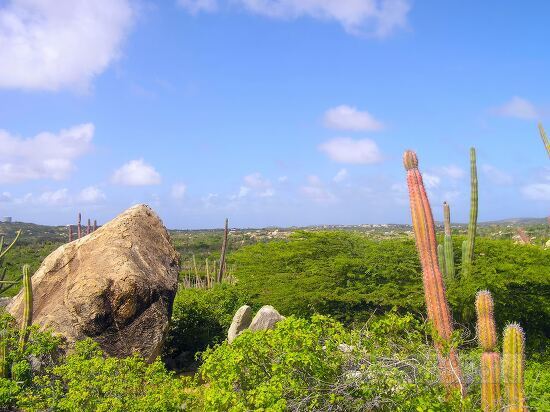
55, 44
178, 190
90, 194
537, 191
341, 175
496, 175
316, 191
349, 118
431, 181
346, 150
136, 173
378, 18
282, 179
454, 172
59, 197
44, 156
256, 184
519, 108
197, 6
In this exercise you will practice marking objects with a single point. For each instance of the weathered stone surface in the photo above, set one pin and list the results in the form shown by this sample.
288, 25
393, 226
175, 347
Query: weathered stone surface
266, 318
115, 285
241, 321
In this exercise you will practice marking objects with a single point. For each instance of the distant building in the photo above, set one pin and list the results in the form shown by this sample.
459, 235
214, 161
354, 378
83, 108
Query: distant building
7, 219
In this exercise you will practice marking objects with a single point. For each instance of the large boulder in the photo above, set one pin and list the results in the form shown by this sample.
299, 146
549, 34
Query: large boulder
240, 322
266, 318
115, 285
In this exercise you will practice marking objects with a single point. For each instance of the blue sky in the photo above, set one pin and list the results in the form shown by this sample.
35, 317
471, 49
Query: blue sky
270, 112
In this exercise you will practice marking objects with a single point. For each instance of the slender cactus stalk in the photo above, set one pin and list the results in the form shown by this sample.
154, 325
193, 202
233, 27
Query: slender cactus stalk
490, 359
468, 250
434, 288
544, 138
513, 360
224, 251
89, 227
95, 225
441, 260
448, 243
207, 274
26, 321
79, 226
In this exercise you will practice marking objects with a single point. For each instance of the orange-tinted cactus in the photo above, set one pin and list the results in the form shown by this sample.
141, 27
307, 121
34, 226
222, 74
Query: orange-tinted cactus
434, 288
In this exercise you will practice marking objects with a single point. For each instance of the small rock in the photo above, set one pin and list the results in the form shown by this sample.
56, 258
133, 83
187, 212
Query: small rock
345, 348
266, 318
240, 322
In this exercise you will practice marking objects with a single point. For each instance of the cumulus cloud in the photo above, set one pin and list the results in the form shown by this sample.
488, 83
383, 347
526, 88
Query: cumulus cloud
518, 108
431, 181
90, 194
349, 118
255, 183
378, 18
197, 6
341, 176
178, 190
537, 191
346, 150
55, 44
452, 171
316, 191
44, 156
496, 175
136, 173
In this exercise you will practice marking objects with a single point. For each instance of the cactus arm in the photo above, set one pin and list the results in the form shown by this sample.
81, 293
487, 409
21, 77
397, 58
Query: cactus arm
448, 243
490, 359
513, 359
434, 289
27, 309
441, 260
17, 234
468, 253
544, 138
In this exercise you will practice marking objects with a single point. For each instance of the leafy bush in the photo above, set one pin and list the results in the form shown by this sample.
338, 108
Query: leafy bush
200, 317
89, 381
41, 351
350, 277
302, 365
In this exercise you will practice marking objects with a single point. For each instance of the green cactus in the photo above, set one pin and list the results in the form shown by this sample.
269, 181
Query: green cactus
513, 367
544, 138
441, 260
490, 360
27, 309
448, 243
468, 245
6, 284
434, 288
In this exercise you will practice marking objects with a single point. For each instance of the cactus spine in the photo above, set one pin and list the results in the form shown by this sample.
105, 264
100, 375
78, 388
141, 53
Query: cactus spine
434, 288
512, 367
468, 246
448, 243
544, 138
27, 309
490, 360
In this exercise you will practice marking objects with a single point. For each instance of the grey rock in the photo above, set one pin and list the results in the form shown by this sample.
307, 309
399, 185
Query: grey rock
241, 321
266, 318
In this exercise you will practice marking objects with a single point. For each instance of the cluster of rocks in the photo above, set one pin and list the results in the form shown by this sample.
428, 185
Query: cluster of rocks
266, 318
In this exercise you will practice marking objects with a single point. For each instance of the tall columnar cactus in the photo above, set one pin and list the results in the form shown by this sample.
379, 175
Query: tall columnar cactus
448, 243
89, 227
79, 226
26, 321
468, 245
441, 260
512, 367
95, 225
490, 359
224, 251
544, 138
434, 288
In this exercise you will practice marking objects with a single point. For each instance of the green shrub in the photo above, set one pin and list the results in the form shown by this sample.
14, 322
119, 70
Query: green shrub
41, 352
89, 381
200, 317
301, 365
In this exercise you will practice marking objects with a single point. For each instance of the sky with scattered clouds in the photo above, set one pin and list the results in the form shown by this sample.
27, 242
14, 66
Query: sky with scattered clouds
270, 112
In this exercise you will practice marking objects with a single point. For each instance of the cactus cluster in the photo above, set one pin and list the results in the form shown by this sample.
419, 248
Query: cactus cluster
434, 288
89, 228
512, 360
